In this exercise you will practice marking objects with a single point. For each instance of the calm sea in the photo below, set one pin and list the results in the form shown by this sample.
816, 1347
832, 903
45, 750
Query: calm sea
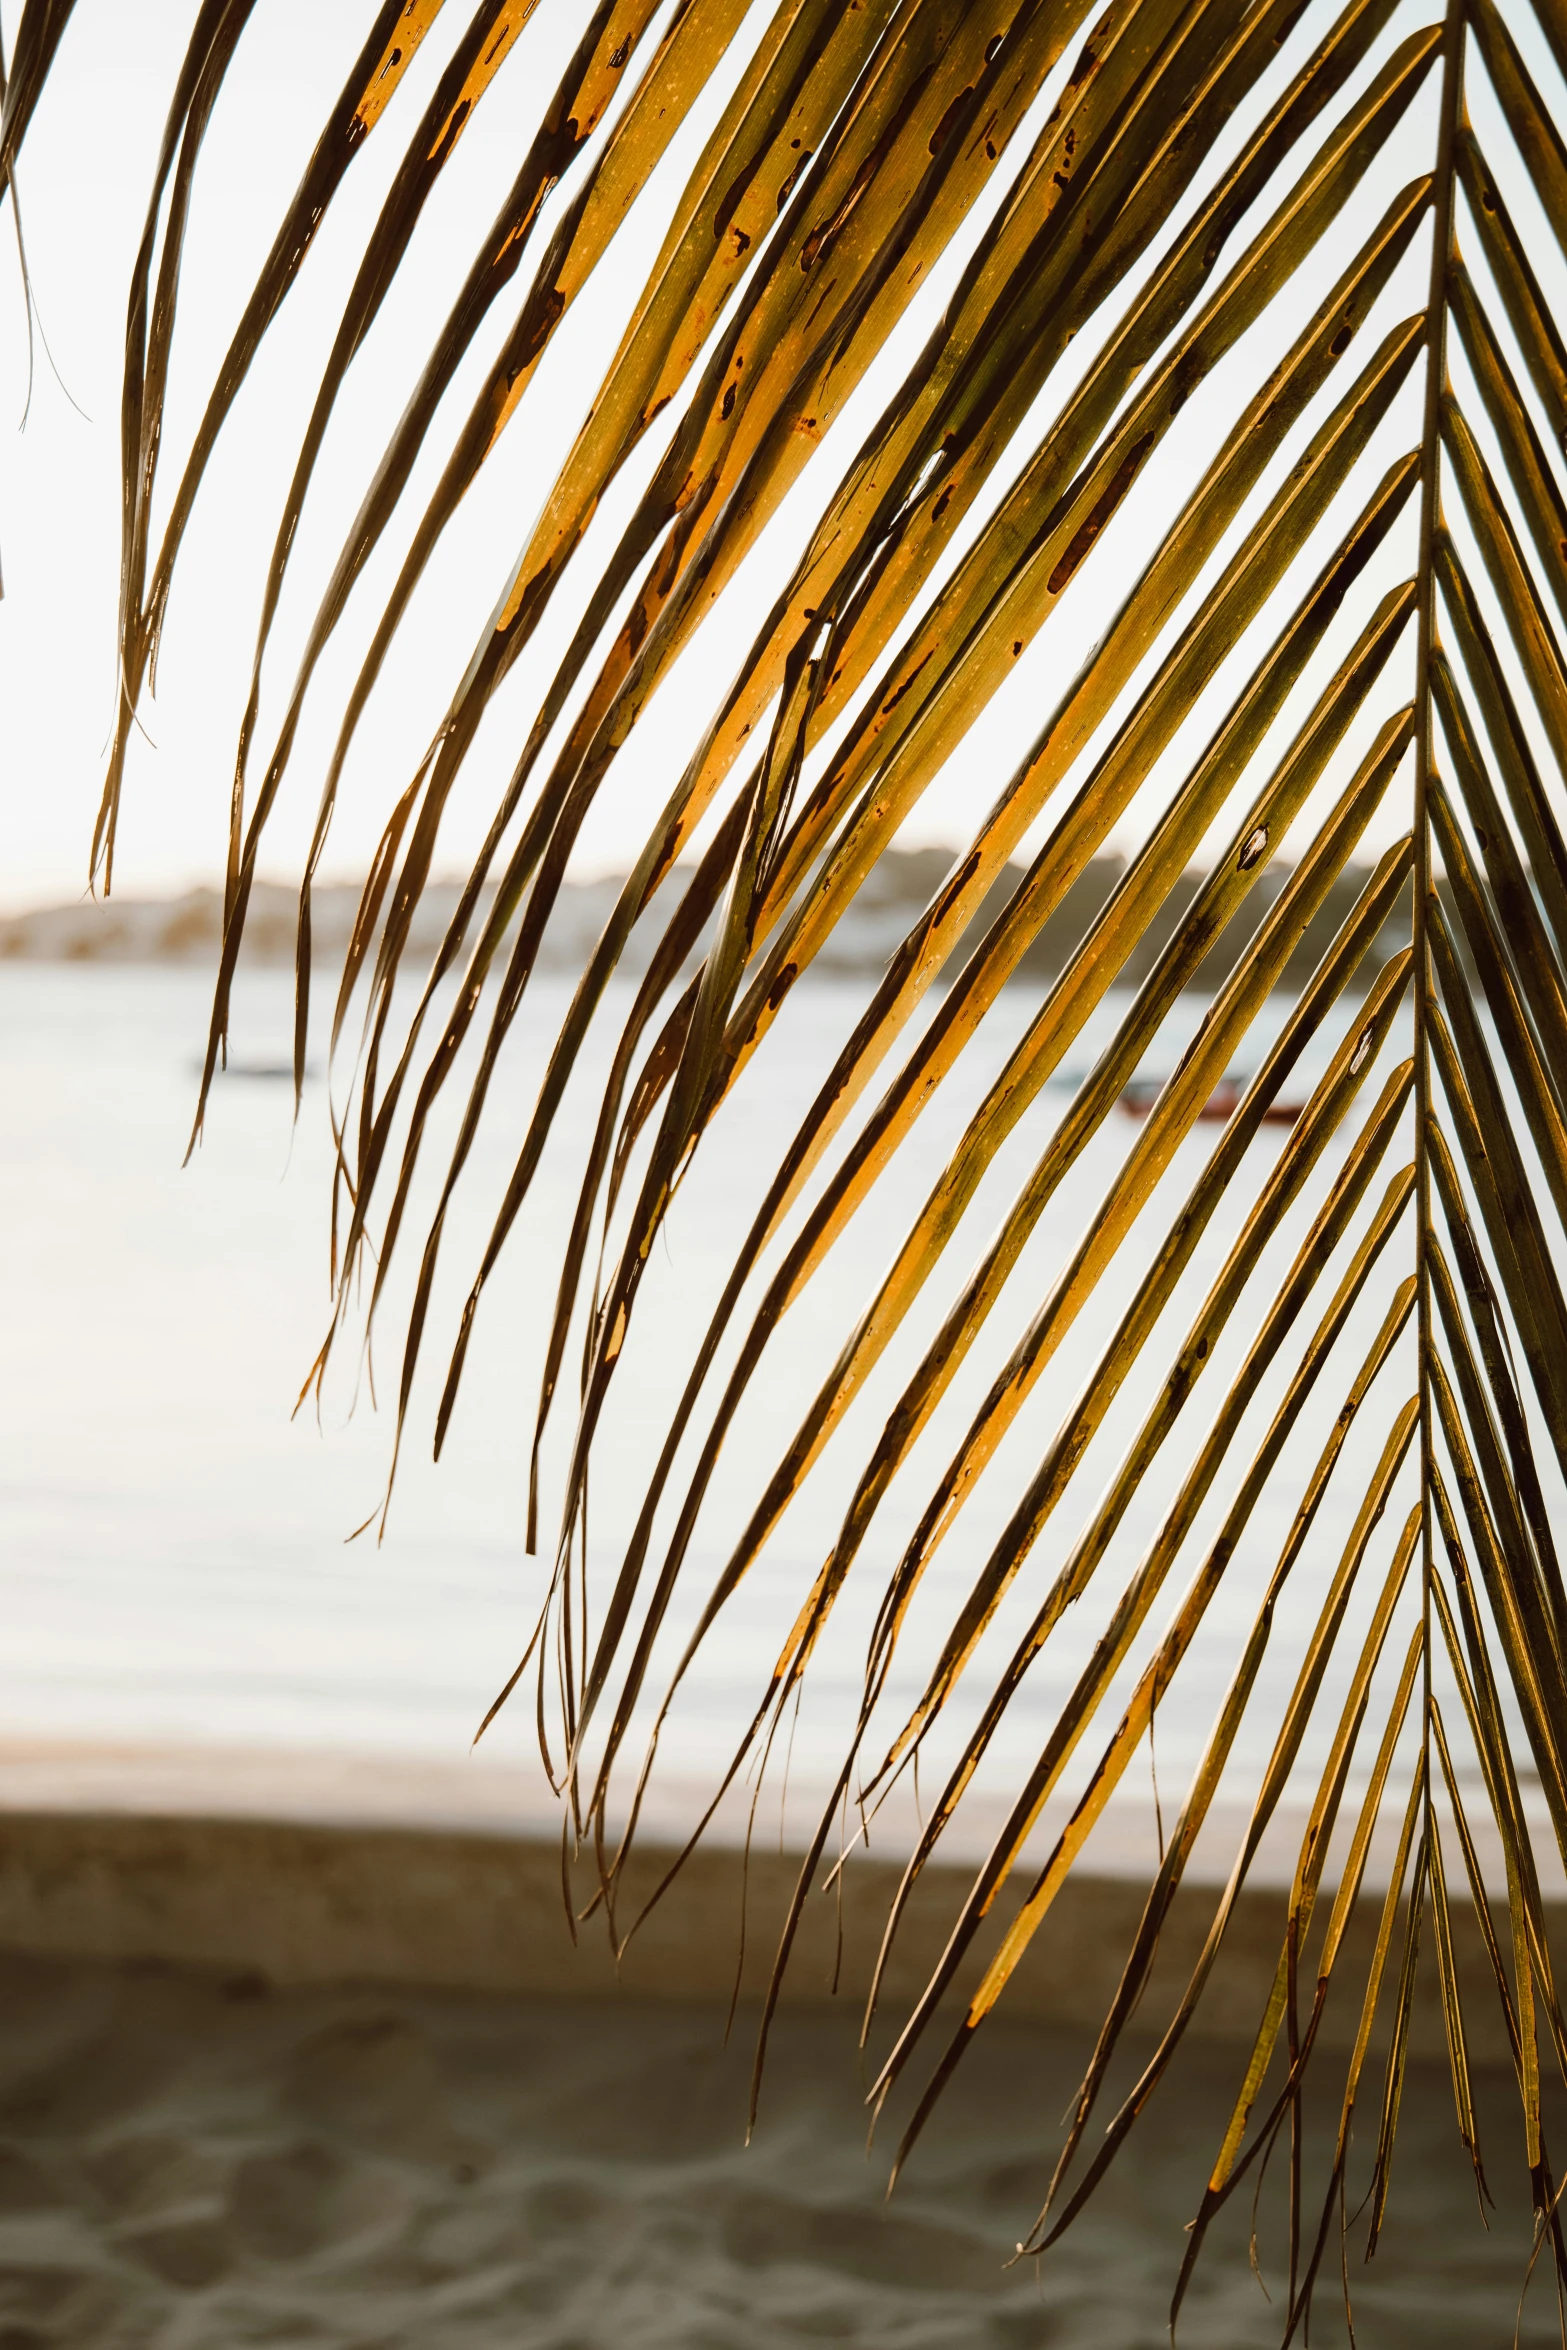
174, 1548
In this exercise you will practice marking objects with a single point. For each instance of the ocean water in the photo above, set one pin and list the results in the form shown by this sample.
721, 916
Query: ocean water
175, 1553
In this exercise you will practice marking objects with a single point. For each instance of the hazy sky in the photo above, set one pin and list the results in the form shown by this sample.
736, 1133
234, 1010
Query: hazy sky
84, 179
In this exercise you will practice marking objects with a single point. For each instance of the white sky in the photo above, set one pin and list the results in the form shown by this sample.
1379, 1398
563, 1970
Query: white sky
84, 177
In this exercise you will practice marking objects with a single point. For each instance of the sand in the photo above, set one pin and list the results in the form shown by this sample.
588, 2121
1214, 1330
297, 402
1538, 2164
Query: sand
313, 2063
194, 2160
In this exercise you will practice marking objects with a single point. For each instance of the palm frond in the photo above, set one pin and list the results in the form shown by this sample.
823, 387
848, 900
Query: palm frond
1190, 412
39, 35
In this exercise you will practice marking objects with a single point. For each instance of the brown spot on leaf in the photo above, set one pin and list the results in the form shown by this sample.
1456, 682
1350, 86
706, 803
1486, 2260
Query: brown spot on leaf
893, 701
944, 129
1099, 514
787, 190
539, 333
1084, 66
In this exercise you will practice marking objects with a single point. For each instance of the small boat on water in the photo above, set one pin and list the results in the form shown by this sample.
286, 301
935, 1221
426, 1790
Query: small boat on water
1139, 1097
270, 1072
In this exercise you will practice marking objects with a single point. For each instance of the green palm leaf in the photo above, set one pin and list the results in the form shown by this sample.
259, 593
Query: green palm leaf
1192, 410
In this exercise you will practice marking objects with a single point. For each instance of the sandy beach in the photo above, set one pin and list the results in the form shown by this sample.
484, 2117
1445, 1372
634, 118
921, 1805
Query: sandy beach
195, 2161
308, 2057
292, 2074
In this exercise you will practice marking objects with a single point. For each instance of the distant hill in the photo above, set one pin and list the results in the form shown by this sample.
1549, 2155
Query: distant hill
186, 929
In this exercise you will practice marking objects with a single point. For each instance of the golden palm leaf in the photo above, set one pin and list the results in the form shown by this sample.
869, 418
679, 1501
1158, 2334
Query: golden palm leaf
1203, 265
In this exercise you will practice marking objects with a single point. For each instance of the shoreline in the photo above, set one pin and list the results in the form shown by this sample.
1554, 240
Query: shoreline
319, 1869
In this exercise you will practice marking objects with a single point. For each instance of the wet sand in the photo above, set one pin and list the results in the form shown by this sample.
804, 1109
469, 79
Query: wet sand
196, 2160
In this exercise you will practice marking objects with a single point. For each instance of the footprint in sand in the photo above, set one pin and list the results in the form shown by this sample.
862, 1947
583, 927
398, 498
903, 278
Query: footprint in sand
871, 2245
165, 2203
371, 2079
308, 2200
24, 2184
